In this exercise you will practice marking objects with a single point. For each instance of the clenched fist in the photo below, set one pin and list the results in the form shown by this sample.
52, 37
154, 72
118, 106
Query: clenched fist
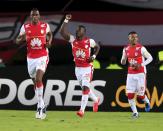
68, 17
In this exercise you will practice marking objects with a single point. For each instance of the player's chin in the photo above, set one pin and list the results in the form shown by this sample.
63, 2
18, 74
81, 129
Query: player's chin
35, 20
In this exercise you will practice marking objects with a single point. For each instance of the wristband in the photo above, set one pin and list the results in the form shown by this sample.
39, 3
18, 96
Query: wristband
66, 20
94, 56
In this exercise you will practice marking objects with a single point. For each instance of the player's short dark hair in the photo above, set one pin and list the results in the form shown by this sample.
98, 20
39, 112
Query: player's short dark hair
34, 9
132, 32
82, 26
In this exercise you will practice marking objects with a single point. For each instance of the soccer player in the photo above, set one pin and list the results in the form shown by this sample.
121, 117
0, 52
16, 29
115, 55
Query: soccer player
138, 57
81, 49
38, 37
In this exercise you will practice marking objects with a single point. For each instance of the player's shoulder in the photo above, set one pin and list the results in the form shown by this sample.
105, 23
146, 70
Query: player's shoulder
43, 23
87, 38
139, 45
26, 25
91, 39
126, 47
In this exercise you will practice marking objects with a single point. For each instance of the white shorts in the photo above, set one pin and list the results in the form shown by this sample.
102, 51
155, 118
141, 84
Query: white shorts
84, 75
37, 63
136, 83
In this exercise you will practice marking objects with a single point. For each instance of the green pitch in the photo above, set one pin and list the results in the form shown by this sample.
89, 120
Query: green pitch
68, 121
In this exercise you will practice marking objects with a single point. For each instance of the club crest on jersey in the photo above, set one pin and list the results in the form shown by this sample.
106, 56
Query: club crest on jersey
86, 46
42, 31
136, 54
80, 53
29, 32
36, 42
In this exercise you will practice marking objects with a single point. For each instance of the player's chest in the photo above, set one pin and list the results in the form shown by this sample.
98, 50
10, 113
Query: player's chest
35, 31
133, 52
81, 45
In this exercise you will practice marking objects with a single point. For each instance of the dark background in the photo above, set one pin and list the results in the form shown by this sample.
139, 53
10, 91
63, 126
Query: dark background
57, 5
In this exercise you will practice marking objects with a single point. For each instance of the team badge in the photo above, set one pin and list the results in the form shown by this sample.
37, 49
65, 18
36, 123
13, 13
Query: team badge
136, 54
42, 31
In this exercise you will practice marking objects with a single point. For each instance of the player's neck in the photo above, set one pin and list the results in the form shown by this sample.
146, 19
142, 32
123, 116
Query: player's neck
35, 23
133, 44
80, 38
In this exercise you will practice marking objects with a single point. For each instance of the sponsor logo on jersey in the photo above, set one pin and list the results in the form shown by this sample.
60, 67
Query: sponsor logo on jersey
136, 53
80, 53
36, 43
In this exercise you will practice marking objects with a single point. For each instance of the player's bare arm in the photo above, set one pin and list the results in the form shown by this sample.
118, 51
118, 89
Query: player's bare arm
20, 39
95, 52
63, 31
49, 38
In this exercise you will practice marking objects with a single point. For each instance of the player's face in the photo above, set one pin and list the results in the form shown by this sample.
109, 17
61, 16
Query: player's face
80, 32
133, 39
35, 16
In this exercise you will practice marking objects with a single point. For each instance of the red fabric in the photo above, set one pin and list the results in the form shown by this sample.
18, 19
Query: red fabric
130, 95
86, 92
141, 97
134, 55
39, 84
36, 39
81, 52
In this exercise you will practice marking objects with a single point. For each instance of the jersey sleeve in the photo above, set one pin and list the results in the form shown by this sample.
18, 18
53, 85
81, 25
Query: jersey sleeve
22, 30
92, 43
48, 28
147, 55
72, 38
124, 57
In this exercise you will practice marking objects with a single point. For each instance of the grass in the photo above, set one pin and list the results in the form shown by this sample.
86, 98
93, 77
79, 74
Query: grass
11, 120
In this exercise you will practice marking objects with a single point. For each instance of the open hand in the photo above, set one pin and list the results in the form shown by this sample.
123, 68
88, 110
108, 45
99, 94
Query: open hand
136, 66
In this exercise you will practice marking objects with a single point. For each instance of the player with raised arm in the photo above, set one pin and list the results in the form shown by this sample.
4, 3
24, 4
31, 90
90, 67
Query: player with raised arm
138, 57
38, 37
81, 49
